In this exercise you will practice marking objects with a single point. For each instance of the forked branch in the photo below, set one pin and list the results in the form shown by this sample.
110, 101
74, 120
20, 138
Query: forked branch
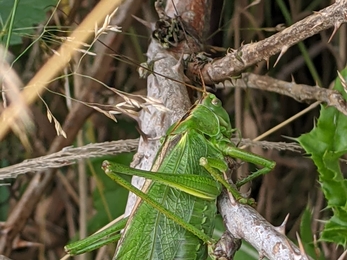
250, 54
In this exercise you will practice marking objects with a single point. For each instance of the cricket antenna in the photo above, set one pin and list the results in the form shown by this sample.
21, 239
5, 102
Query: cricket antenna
204, 91
174, 5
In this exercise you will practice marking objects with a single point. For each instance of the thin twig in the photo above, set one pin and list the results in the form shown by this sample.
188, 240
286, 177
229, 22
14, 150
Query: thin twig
300, 92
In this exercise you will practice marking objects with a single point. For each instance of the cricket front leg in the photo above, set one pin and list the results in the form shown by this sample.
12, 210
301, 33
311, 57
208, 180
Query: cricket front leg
216, 168
238, 153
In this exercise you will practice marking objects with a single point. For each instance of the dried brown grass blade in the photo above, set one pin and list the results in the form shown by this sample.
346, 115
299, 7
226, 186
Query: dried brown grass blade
11, 85
38, 83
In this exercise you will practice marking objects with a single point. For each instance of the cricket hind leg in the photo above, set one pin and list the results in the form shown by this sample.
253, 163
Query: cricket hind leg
95, 241
113, 170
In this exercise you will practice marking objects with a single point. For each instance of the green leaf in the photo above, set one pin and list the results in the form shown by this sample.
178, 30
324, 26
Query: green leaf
246, 252
306, 235
4, 202
326, 143
28, 13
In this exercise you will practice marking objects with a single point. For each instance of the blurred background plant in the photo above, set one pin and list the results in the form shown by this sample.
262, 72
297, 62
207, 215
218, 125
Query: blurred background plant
33, 30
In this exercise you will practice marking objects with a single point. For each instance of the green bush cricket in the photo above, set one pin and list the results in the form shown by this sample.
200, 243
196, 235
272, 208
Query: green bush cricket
175, 215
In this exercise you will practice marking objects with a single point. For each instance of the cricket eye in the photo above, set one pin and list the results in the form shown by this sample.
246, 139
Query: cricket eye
216, 102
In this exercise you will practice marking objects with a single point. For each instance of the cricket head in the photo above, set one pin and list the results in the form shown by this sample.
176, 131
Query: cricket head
215, 105
207, 117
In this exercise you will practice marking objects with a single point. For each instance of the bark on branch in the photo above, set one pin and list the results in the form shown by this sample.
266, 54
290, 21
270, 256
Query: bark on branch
250, 54
246, 223
170, 92
300, 92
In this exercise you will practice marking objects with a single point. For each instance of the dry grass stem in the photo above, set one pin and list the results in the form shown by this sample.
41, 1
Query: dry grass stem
280, 146
68, 156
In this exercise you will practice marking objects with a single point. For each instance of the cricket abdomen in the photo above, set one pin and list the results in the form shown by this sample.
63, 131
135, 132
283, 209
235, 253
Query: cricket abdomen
150, 235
